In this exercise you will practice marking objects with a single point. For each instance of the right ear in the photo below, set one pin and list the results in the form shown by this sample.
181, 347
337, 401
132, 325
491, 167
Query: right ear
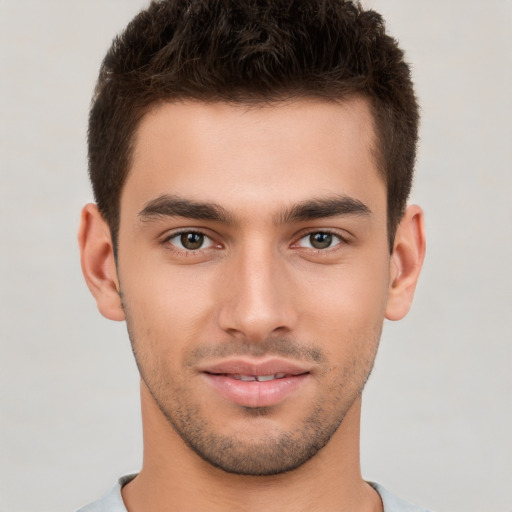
98, 262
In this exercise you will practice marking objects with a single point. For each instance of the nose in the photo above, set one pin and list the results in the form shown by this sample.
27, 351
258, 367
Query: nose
258, 296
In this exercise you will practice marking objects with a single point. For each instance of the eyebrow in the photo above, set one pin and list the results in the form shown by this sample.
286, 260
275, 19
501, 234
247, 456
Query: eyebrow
175, 206
325, 208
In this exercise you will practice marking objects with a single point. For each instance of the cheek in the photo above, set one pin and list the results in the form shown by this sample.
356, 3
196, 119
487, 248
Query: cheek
167, 308
352, 293
345, 310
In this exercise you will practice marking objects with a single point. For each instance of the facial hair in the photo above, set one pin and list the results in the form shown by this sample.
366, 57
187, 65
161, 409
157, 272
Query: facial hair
275, 452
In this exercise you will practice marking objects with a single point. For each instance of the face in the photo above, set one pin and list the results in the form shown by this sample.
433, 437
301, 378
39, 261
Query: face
254, 272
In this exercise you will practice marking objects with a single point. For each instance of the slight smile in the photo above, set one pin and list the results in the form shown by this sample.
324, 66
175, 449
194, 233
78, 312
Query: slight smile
253, 383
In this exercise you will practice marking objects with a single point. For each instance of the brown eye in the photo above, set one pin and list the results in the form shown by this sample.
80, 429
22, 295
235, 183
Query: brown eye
192, 241
320, 240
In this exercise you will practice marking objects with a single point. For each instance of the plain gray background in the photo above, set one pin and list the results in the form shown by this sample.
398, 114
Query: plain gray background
438, 409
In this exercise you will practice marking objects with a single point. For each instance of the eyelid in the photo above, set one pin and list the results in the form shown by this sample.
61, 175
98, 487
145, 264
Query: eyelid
169, 237
342, 239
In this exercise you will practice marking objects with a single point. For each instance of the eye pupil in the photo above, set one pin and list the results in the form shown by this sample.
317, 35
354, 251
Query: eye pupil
320, 240
192, 241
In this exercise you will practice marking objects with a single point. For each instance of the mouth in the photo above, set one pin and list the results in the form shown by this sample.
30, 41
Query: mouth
259, 378
256, 384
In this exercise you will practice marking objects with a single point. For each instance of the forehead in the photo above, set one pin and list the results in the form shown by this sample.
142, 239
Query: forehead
245, 157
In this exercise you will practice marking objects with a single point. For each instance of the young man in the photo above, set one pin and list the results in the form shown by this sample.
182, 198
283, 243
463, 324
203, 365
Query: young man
251, 163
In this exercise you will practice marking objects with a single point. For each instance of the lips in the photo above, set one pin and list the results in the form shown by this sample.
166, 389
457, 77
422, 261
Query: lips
255, 383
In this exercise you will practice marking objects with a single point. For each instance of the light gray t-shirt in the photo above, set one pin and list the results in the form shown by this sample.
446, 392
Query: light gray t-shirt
113, 501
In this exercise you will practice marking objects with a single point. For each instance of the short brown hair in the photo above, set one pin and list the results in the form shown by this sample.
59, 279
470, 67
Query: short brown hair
248, 51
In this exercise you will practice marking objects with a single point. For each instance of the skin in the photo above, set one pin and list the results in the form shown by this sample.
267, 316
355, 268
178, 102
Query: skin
257, 286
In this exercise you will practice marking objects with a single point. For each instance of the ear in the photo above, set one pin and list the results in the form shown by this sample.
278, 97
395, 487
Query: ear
98, 263
406, 261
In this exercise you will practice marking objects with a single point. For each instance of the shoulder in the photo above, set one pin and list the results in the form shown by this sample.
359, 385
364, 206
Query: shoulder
394, 504
112, 501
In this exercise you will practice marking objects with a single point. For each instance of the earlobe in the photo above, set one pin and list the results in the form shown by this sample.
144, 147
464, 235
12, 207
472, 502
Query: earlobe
98, 263
406, 261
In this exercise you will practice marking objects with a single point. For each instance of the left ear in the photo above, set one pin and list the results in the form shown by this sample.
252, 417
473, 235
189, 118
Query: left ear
406, 261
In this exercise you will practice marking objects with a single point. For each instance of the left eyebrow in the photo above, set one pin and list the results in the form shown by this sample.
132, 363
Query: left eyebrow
324, 208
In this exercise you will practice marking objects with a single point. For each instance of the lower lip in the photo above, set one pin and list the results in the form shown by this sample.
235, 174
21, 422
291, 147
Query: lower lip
255, 393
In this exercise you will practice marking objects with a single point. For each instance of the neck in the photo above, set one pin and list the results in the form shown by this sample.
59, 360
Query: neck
174, 478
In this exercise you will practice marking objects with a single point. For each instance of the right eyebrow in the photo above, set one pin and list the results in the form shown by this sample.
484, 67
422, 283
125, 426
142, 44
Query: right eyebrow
175, 206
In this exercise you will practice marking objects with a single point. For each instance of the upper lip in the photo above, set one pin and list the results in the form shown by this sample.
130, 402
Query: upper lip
253, 367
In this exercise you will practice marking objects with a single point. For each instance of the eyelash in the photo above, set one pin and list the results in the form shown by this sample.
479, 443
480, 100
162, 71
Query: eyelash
341, 240
176, 235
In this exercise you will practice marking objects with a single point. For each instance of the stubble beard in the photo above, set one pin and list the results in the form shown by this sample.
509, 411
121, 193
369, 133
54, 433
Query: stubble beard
271, 454
238, 455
